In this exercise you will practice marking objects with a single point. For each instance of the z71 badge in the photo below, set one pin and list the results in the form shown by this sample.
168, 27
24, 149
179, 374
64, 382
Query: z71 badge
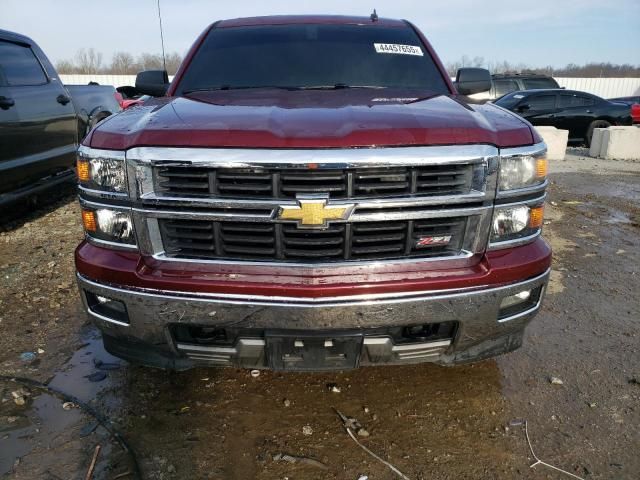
435, 241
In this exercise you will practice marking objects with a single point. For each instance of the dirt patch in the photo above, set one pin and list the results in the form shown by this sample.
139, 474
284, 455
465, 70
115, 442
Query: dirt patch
429, 421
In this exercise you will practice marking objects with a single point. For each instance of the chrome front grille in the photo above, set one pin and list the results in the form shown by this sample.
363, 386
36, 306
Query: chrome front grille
229, 240
370, 182
226, 205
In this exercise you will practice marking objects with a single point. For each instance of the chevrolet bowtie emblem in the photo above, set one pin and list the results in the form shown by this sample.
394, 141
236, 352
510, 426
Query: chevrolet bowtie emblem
314, 212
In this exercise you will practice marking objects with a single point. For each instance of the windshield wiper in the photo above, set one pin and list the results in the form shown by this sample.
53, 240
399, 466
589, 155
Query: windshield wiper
336, 86
232, 87
339, 86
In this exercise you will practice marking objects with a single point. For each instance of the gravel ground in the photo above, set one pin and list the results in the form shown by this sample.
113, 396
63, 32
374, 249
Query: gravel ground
429, 421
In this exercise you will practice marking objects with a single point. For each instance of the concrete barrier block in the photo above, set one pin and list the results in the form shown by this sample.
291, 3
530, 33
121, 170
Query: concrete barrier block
621, 143
596, 142
556, 141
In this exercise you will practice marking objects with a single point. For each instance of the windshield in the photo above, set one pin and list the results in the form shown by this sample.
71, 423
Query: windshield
312, 56
537, 83
510, 100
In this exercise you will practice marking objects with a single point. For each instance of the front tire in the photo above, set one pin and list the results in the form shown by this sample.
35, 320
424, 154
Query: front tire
595, 124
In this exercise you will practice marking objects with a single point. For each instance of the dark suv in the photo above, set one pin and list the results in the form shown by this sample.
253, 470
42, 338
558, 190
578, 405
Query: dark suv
510, 82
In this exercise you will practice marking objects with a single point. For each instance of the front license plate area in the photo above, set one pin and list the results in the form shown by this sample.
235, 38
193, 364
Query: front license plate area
292, 352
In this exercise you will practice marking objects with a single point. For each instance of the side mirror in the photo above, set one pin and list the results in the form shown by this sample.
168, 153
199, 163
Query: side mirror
524, 107
152, 82
473, 80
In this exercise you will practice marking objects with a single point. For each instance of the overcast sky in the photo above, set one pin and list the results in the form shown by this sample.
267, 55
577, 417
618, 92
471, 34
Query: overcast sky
535, 32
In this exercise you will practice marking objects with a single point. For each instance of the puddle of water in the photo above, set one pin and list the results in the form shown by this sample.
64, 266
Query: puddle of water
72, 379
616, 216
43, 419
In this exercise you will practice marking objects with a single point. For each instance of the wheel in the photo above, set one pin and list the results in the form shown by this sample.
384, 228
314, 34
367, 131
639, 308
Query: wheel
592, 126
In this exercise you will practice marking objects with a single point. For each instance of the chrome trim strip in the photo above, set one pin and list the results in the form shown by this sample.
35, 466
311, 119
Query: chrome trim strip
364, 217
151, 199
535, 149
518, 192
419, 214
516, 242
464, 255
330, 157
84, 151
106, 319
207, 215
95, 205
250, 341
365, 299
113, 245
103, 194
533, 201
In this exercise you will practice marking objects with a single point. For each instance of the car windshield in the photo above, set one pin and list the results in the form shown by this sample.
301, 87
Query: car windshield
312, 56
510, 100
537, 83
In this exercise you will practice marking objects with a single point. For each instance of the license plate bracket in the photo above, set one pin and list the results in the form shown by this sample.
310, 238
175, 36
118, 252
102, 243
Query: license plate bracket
294, 352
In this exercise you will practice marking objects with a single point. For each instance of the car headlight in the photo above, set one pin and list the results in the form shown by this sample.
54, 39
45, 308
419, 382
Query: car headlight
514, 222
108, 224
102, 170
521, 171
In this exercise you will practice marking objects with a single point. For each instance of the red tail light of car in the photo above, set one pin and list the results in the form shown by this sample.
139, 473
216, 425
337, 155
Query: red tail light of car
635, 112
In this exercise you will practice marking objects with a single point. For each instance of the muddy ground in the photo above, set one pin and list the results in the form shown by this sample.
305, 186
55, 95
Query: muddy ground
430, 422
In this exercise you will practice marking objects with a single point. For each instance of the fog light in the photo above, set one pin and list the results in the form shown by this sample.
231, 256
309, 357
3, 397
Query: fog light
109, 308
524, 301
512, 300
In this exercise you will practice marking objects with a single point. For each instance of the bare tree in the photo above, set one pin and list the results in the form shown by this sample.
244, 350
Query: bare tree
173, 62
123, 63
150, 61
88, 61
65, 66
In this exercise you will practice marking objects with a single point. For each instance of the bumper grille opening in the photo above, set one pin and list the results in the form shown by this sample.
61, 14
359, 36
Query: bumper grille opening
216, 336
204, 239
268, 183
428, 332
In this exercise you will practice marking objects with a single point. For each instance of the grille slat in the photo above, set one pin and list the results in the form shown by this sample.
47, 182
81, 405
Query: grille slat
269, 183
285, 242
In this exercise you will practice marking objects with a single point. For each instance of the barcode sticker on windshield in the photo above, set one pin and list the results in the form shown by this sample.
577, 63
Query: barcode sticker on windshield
398, 49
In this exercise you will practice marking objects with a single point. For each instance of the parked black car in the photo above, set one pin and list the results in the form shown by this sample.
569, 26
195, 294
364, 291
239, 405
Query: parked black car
578, 112
628, 100
41, 122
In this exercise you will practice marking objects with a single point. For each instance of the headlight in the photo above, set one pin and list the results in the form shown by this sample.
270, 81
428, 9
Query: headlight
513, 222
521, 171
108, 224
102, 170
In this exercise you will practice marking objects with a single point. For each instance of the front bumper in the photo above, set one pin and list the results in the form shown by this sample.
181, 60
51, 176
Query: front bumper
482, 330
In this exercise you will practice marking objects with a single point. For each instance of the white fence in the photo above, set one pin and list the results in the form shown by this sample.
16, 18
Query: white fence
603, 87
115, 80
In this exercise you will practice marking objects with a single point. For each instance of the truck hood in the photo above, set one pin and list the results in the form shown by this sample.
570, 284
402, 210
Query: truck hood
272, 118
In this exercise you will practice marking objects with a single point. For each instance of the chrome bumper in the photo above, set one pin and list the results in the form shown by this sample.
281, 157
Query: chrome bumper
480, 332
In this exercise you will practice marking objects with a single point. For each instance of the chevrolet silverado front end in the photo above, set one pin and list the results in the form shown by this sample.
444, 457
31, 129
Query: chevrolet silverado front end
312, 193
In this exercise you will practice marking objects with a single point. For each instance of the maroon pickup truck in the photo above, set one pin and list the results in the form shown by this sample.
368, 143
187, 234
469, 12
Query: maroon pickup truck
312, 193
